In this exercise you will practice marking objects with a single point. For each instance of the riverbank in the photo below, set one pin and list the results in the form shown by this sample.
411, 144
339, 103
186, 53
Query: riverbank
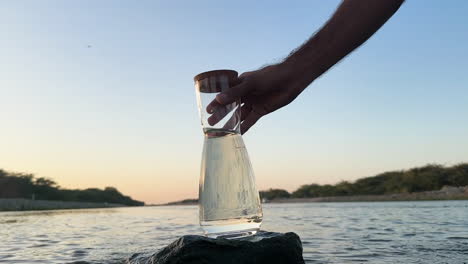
26, 204
446, 193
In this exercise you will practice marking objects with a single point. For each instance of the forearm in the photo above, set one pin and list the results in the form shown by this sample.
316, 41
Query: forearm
352, 24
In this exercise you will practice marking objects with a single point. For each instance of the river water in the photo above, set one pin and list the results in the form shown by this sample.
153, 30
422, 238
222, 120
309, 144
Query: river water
374, 232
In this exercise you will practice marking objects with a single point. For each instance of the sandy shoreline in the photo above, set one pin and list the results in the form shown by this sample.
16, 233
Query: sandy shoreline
446, 193
19, 204
369, 198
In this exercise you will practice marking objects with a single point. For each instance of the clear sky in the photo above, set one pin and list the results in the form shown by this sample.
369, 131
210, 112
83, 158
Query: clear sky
122, 112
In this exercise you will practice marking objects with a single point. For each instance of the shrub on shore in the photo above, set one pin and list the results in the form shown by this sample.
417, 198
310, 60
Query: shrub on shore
24, 185
431, 177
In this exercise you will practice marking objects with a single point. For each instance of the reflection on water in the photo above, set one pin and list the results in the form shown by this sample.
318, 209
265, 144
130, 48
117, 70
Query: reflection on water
389, 232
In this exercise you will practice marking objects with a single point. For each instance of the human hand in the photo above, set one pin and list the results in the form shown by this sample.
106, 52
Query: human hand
262, 91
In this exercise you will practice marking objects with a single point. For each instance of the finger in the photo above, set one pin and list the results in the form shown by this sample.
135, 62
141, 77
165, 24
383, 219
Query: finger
237, 117
219, 113
210, 108
233, 122
249, 121
245, 110
233, 93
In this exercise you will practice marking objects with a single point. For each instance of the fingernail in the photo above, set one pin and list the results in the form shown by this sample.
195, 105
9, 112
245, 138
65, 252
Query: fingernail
211, 122
209, 110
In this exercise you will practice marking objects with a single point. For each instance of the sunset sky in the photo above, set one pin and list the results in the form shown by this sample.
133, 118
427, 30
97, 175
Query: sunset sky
100, 93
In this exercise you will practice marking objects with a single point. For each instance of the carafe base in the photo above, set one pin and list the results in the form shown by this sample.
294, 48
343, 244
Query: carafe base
230, 229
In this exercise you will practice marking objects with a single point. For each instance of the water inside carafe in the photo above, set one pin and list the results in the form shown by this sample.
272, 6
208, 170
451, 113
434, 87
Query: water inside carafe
228, 199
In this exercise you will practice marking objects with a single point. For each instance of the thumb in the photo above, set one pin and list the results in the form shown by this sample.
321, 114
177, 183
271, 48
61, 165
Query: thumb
233, 93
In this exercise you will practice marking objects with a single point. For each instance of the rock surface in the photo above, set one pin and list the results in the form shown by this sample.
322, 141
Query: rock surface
263, 248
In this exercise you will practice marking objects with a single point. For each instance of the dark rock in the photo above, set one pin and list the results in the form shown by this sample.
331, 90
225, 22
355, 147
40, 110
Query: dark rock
265, 247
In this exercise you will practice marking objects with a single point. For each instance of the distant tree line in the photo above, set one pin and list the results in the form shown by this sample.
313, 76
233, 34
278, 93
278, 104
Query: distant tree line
427, 178
184, 202
22, 185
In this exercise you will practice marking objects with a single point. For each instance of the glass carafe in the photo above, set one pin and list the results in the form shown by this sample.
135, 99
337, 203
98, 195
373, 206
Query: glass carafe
228, 198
